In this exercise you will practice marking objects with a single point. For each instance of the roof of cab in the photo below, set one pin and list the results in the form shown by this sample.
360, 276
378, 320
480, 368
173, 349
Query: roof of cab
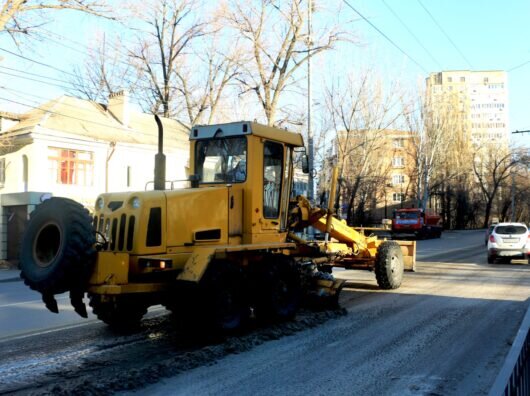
246, 128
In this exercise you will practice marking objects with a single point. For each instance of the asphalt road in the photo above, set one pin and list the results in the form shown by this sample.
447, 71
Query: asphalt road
446, 331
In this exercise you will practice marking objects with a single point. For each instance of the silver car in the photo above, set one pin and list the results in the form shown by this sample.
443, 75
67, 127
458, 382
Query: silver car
508, 241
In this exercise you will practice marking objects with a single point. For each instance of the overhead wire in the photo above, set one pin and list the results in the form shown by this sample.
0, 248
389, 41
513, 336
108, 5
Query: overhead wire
445, 34
519, 66
70, 85
37, 62
37, 107
386, 37
412, 34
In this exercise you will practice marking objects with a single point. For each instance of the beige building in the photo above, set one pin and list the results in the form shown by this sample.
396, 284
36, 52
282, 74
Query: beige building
77, 148
383, 162
479, 99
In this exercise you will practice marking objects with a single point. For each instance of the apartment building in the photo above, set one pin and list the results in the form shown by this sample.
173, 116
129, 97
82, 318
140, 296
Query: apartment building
475, 101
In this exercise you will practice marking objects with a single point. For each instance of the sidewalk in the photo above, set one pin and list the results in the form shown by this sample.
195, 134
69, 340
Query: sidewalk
8, 272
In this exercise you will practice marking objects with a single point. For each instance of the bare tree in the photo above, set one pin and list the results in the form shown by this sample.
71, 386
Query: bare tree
167, 30
179, 66
204, 80
492, 167
441, 148
361, 113
277, 45
20, 17
104, 71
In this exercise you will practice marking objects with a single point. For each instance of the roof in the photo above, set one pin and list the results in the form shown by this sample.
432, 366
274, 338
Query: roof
67, 116
246, 128
11, 116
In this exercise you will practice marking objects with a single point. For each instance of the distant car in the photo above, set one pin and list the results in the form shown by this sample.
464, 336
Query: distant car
488, 233
508, 241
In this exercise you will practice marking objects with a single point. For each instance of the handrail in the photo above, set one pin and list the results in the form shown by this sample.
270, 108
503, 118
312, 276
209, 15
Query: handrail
514, 377
171, 183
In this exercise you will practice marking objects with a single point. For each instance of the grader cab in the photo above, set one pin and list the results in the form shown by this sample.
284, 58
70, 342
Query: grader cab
216, 253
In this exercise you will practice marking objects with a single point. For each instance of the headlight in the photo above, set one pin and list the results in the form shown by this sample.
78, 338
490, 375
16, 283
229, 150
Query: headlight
99, 203
135, 202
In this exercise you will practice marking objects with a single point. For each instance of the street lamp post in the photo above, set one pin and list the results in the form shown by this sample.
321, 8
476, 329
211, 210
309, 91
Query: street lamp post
310, 148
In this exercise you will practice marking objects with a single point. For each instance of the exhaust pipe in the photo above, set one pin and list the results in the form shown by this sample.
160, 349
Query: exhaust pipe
160, 159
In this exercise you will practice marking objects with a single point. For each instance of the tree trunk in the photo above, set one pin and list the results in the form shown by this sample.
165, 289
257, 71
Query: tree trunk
350, 218
489, 204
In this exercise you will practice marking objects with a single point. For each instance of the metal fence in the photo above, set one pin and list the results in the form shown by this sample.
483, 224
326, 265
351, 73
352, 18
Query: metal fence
514, 377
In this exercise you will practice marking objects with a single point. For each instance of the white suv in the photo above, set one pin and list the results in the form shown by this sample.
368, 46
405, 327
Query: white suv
509, 241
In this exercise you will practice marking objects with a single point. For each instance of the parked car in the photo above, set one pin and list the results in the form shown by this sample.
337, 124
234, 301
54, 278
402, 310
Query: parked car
488, 233
508, 241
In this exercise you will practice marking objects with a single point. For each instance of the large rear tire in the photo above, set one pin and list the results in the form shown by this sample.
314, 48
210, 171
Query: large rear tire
389, 265
57, 250
276, 289
222, 299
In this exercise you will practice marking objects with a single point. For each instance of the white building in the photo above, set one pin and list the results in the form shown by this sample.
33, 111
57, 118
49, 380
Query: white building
480, 96
77, 148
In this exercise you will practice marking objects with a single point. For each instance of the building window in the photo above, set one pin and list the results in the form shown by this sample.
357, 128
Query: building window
462, 79
449, 79
398, 179
398, 162
71, 166
398, 197
398, 143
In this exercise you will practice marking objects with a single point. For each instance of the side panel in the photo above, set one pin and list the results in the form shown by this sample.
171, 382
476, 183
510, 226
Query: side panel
111, 268
197, 216
235, 212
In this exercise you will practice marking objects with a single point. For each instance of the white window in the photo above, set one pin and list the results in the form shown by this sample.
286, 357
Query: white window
71, 166
398, 179
398, 197
398, 143
398, 162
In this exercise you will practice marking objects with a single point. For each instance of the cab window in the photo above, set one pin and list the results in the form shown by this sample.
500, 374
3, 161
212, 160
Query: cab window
272, 179
221, 160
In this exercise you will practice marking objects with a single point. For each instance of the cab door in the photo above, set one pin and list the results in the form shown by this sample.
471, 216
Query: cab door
273, 171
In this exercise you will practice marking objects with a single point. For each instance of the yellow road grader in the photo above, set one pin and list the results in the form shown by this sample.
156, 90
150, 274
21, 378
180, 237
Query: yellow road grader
225, 249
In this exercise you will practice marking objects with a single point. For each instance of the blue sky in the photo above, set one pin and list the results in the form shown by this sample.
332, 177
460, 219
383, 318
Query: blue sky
487, 34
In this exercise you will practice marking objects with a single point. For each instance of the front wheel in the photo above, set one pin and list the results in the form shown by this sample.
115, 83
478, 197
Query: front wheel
389, 265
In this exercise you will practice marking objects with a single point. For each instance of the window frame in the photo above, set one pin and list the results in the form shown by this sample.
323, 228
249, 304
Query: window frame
401, 179
398, 197
201, 167
279, 183
68, 169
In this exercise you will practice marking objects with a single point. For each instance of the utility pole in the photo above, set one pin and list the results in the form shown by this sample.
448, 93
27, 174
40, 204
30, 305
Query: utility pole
310, 148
